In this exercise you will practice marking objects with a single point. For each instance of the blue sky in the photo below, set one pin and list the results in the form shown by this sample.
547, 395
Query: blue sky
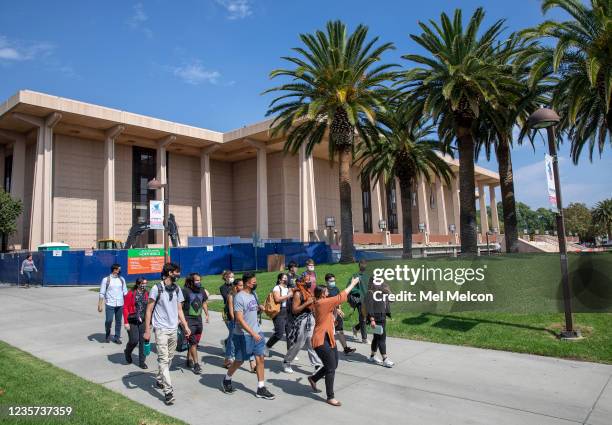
206, 62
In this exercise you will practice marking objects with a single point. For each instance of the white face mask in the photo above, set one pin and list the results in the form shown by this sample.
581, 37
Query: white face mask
310, 268
331, 283
230, 280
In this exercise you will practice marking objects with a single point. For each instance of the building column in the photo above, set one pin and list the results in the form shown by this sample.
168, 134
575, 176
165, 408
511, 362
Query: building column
456, 205
2, 170
422, 203
377, 208
493, 203
108, 209
16, 240
484, 219
262, 188
307, 196
162, 175
205, 193
41, 216
441, 208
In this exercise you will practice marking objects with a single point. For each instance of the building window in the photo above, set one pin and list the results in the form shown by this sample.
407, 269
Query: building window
144, 168
366, 201
391, 207
8, 172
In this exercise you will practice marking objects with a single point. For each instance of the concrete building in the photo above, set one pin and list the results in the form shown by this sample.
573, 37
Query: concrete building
81, 171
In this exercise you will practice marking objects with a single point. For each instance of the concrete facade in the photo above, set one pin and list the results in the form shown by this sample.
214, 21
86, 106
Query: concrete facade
72, 168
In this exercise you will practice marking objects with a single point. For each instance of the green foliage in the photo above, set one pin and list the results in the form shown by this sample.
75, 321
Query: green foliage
602, 215
10, 209
581, 61
335, 77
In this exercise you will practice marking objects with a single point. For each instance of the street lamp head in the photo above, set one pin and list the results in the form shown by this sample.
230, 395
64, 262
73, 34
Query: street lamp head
330, 221
543, 118
154, 184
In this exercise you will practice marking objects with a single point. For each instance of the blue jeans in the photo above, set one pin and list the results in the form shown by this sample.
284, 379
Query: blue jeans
117, 312
229, 342
28, 277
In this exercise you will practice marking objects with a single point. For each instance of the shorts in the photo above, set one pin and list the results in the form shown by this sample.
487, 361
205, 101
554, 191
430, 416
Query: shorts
339, 326
245, 346
196, 328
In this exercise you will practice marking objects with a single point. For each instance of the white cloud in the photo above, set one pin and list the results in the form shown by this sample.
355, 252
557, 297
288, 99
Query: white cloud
195, 73
13, 50
138, 19
236, 9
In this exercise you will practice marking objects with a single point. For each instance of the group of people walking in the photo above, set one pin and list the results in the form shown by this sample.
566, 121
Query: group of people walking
309, 316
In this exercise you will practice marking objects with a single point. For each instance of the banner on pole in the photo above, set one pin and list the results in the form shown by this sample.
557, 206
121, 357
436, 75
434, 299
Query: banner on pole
156, 215
550, 182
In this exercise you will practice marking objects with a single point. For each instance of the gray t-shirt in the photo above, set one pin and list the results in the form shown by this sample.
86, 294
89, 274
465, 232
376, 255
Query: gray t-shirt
248, 305
165, 313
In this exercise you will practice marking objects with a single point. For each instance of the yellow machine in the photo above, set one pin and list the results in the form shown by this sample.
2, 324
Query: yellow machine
109, 244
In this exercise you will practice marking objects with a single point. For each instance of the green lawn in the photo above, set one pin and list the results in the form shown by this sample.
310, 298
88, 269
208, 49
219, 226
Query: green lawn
28, 381
525, 319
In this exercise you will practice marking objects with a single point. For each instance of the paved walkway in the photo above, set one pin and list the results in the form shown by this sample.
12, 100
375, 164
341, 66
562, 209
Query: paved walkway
430, 384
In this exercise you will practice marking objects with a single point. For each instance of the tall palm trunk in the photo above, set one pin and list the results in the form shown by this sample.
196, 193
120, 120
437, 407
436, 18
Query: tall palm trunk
346, 213
506, 183
406, 197
467, 195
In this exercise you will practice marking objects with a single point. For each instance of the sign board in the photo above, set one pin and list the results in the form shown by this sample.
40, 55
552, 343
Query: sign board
209, 248
57, 253
156, 215
145, 260
550, 182
89, 253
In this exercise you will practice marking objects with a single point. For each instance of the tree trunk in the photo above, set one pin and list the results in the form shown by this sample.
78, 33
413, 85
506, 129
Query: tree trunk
506, 183
467, 195
406, 197
346, 213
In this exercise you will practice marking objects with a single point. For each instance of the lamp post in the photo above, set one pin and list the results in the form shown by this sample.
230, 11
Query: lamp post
157, 185
548, 119
330, 223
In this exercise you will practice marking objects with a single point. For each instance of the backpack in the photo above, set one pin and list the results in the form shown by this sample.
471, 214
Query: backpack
271, 307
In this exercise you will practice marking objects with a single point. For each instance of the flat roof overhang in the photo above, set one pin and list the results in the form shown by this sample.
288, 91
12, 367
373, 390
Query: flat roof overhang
86, 120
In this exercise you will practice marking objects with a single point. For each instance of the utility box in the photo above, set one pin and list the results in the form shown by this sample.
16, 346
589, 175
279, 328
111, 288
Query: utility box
276, 263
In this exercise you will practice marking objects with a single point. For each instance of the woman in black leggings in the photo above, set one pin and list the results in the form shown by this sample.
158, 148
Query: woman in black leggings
378, 309
323, 337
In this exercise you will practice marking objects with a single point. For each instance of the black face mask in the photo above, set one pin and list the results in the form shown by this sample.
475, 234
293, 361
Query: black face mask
307, 285
254, 287
173, 278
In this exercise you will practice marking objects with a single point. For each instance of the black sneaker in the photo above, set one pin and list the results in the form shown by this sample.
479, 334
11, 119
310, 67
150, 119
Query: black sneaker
159, 385
227, 387
169, 398
128, 357
143, 366
264, 393
349, 350
107, 339
117, 340
197, 369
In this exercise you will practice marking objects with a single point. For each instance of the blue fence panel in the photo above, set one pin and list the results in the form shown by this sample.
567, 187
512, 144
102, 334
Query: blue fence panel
200, 260
9, 268
242, 256
62, 269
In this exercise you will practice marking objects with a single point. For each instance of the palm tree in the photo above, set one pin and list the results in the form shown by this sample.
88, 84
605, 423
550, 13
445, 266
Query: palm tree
602, 215
399, 146
459, 77
582, 60
337, 85
497, 126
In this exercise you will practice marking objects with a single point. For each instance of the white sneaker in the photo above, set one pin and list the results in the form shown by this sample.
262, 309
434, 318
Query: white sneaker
376, 360
296, 359
287, 368
388, 363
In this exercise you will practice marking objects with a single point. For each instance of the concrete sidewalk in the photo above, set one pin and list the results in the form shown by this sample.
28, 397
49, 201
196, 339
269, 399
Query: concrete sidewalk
430, 384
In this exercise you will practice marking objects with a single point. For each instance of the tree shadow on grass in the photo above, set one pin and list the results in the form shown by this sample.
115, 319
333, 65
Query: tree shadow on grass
465, 324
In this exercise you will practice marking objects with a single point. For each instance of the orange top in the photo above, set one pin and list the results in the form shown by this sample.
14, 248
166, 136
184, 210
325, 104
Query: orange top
324, 319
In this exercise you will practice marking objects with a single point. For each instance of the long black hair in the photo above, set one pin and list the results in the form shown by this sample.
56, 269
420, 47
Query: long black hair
189, 280
139, 281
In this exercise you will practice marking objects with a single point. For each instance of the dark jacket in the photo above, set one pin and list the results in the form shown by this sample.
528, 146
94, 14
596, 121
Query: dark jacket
377, 308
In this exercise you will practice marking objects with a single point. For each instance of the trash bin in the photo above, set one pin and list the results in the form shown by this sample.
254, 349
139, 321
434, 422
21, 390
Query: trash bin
276, 263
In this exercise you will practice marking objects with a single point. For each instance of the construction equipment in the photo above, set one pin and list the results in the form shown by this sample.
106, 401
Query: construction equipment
138, 229
109, 244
